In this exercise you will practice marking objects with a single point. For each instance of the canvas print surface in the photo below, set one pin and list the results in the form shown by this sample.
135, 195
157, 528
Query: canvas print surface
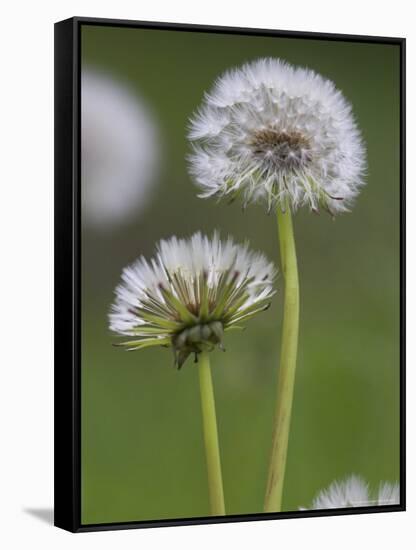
240, 329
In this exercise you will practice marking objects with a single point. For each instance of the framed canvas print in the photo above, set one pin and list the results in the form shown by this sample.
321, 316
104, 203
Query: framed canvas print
229, 306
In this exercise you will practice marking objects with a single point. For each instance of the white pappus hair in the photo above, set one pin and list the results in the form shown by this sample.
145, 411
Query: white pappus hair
354, 492
190, 293
277, 134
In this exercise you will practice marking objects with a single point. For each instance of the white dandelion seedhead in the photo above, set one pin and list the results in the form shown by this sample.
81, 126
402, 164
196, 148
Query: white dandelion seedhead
190, 293
354, 492
277, 134
119, 150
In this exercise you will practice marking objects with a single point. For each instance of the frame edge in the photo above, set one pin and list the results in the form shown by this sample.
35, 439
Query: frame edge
66, 375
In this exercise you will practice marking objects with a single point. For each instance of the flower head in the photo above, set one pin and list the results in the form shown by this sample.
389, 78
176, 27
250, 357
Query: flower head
353, 492
280, 135
190, 293
119, 150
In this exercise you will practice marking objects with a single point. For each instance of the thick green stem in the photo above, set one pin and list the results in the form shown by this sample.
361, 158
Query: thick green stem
216, 492
287, 369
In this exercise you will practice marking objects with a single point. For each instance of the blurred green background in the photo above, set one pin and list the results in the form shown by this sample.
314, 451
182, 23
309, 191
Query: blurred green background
142, 447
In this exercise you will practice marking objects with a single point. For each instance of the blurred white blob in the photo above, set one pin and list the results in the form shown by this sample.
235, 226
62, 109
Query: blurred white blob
119, 151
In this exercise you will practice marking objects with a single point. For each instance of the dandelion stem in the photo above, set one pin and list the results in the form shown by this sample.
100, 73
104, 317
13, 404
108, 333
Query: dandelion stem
287, 370
209, 419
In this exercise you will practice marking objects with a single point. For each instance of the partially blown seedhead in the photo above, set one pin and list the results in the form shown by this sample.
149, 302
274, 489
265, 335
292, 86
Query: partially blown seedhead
277, 134
190, 293
353, 492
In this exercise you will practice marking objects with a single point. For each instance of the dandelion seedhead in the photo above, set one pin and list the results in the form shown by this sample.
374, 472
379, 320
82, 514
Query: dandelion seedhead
119, 150
190, 293
281, 135
353, 492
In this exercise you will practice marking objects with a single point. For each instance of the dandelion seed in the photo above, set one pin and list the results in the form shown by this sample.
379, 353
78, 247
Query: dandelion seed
191, 293
354, 492
119, 151
281, 135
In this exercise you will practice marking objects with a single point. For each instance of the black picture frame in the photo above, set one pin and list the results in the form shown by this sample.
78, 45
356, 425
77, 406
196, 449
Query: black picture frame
68, 273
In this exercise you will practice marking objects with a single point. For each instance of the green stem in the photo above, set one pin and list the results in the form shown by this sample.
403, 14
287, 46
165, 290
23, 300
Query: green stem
287, 370
216, 492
